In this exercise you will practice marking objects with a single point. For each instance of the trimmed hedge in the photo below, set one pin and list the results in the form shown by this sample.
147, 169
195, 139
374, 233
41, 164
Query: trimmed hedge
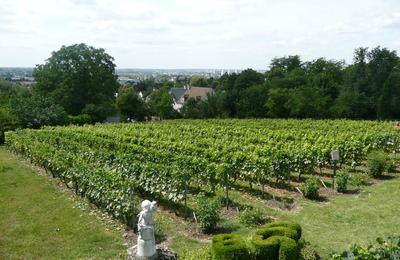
277, 241
229, 247
289, 224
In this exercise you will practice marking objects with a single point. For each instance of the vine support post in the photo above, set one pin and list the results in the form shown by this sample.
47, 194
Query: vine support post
334, 174
335, 158
227, 190
185, 195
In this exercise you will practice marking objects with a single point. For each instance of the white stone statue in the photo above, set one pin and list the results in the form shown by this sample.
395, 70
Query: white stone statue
146, 243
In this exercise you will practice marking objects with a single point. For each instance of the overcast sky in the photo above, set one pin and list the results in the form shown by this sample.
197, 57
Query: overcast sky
233, 34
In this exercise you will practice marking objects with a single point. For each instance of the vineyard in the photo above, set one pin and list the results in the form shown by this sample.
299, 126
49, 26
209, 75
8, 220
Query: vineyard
109, 164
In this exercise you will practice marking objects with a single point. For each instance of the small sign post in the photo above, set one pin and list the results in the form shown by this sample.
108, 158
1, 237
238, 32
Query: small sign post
335, 156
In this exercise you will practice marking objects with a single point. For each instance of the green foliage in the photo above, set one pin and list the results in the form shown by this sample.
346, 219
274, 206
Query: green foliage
191, 109
250, 217
130, 105
307, 102
391, 165
207, 212
37, 111
385, 249
7, 122
311, 188
376, 164
275, 104
81, 119
98, 112
198, 81
359, 179
229, 247
277, 241
389, 99
248, 78
113, 161
342, 178
78, 76
251, 102
288, 224
161, 104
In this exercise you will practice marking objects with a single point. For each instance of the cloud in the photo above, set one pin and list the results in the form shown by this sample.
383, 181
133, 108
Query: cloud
207, 33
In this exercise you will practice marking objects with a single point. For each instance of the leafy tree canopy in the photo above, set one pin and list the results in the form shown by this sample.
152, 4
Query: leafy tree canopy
76, 76
130, 104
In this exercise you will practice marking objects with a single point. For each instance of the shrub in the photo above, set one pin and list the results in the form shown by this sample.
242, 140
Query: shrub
229, 247
207, 212
359, 179
277, 241
311, 188
391, 165
386, 249
341, 180
376, 164
252, 218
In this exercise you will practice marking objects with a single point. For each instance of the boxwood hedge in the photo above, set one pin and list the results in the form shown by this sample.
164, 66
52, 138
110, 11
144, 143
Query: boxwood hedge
277, 241
229, 247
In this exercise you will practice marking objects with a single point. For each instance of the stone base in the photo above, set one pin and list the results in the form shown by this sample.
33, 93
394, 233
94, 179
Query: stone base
153, 257
161, 254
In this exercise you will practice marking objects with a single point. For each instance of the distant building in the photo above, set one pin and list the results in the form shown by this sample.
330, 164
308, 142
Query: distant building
182, 95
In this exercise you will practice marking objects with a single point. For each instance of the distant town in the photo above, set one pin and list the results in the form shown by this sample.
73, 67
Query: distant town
125, 75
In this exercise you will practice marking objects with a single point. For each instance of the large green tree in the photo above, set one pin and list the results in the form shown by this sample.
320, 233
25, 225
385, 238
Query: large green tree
79, 77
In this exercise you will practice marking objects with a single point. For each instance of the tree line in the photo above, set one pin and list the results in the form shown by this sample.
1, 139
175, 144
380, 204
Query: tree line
78, 84
369, 88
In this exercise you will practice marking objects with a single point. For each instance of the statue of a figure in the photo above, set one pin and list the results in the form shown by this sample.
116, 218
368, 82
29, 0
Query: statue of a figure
146, 243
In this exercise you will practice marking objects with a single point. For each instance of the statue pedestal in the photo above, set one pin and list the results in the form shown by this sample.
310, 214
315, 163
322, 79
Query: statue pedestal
146, 249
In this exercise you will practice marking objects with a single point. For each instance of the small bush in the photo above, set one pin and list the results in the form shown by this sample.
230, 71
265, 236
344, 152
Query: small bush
376, 164
341, 180
229, 247
252, 218
386, 249
277, 241
359, 179
391, 165
311, 188
207, 212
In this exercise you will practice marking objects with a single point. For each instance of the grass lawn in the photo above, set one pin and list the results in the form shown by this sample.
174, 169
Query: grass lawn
349, 219
38, 221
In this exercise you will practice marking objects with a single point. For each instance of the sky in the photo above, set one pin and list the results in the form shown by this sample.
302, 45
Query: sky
171, 34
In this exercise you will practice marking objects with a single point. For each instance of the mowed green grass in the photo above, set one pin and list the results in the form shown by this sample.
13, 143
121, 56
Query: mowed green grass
38, 221
349, 219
